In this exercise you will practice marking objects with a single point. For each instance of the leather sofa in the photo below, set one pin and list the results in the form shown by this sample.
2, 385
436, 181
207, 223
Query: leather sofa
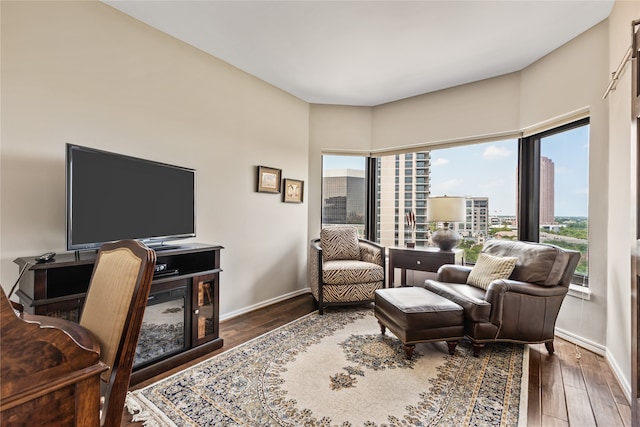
521, 308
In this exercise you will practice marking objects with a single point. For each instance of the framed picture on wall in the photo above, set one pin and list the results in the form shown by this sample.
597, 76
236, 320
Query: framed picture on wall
293, 190
268, 179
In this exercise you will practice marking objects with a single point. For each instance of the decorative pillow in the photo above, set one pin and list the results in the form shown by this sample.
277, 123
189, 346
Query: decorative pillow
489, 268
339, 243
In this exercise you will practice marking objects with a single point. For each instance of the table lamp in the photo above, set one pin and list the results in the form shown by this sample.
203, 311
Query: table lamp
446, 209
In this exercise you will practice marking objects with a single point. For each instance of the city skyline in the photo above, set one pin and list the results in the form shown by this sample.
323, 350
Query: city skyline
489, 170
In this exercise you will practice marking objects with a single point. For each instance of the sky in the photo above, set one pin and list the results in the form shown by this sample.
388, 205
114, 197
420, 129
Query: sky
489, 170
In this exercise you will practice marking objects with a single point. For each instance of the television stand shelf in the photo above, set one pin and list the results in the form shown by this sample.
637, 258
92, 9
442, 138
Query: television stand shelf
182, 317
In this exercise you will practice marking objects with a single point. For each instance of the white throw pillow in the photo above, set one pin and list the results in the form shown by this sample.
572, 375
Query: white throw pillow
489, 268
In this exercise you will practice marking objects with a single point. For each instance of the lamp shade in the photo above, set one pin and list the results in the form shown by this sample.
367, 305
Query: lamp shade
446, 209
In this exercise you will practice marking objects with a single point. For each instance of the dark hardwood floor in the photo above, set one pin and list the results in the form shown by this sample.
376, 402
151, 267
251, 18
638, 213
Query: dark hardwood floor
564, 390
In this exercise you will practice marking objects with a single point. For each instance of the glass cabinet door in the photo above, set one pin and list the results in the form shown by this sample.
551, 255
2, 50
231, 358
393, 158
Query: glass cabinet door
205, 303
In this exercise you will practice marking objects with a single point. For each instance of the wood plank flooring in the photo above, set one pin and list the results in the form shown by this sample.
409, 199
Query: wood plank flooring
564, 389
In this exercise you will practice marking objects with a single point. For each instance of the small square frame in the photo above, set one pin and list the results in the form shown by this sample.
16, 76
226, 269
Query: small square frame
269, 179
293, 190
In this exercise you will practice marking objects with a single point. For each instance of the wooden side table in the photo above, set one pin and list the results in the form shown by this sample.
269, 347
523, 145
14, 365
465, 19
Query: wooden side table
421, 259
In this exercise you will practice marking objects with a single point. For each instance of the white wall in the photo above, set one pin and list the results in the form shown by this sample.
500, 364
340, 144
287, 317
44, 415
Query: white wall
333, 129
622, 195
84, 73
574, 77
457, 113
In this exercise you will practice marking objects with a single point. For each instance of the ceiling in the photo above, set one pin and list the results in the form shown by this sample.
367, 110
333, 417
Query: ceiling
371, 52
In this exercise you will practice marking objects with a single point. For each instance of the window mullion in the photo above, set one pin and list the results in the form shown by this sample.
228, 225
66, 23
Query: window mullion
529, 189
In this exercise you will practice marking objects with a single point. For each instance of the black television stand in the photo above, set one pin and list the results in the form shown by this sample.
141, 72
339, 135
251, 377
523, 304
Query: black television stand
163, 247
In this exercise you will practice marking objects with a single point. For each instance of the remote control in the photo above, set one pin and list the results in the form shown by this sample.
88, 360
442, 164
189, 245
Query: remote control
46, 257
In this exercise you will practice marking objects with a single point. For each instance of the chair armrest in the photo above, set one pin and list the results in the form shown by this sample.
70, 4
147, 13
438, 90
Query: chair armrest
315, 268
499, 289
507, 285
371, 252
453, 273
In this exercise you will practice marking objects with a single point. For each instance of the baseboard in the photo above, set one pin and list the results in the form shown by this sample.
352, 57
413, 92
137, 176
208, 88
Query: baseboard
263, 304
582, 342
602, 351
615, 368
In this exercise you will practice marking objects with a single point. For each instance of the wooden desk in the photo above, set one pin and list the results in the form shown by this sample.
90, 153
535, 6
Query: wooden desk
421, 259
50, 371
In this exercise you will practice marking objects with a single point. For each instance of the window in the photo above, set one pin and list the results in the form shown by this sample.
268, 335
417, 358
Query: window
344, 191
563, 168
483, 173
551, 206
552, 168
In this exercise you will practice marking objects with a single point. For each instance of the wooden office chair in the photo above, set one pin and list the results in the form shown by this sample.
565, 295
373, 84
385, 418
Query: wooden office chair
113, 311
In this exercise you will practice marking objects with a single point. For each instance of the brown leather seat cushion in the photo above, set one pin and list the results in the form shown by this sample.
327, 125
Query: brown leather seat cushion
415, 314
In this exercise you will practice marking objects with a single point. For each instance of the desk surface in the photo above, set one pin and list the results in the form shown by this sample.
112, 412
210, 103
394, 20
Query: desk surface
80, 335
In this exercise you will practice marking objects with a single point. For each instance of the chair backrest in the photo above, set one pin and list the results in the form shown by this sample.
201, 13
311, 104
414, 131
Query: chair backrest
538, 263
113, 311
339, 243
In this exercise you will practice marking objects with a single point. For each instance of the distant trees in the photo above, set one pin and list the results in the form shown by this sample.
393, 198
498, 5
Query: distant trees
572, 227
471, 250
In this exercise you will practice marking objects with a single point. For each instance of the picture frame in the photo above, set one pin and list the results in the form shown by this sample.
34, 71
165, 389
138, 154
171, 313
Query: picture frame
269, 179
293, 190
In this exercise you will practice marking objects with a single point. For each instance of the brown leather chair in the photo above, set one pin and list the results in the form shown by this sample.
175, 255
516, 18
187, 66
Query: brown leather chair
113, 311
522, 308
344, 269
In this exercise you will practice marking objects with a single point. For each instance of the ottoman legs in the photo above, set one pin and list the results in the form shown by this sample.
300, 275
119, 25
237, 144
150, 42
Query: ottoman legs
408, 348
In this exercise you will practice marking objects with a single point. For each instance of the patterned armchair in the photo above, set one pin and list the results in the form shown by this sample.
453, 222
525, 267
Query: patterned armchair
344, 269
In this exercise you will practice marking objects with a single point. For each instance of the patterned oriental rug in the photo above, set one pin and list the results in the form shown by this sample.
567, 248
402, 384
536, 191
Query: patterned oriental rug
338, 370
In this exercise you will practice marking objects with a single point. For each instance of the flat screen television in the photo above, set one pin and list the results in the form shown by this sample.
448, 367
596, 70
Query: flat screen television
112, 196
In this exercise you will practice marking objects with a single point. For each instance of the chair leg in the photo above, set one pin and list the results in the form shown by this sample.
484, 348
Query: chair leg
476, 349
318, 305
549, 346
452, 347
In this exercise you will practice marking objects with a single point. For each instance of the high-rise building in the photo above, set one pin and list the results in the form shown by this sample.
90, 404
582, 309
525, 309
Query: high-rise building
403, 186
547, 186
477, 223
547, 191
343, 196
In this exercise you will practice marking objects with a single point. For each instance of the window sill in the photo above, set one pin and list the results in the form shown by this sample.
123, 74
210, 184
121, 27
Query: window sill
581, 292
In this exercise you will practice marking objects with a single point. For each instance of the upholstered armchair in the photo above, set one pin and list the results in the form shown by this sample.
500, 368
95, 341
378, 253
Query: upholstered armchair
513, 293
344, 269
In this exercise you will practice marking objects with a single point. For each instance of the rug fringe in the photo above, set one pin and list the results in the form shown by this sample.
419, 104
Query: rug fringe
139, 413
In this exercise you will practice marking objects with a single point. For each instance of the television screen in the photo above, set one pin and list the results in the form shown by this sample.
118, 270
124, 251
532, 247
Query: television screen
112, 196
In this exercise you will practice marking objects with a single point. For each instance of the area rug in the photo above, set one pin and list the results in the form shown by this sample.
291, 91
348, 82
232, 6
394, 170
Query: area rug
339, 370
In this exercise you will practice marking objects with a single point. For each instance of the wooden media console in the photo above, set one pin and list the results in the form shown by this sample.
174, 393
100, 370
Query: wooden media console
182, 317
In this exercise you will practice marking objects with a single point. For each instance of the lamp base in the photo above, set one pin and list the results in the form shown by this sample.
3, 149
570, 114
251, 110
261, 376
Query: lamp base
446, 239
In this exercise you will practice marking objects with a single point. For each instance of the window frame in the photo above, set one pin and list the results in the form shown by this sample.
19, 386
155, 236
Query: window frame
528, 187
529, 179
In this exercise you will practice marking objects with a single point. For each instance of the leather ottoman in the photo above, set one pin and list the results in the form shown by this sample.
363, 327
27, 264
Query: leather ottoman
416, 315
